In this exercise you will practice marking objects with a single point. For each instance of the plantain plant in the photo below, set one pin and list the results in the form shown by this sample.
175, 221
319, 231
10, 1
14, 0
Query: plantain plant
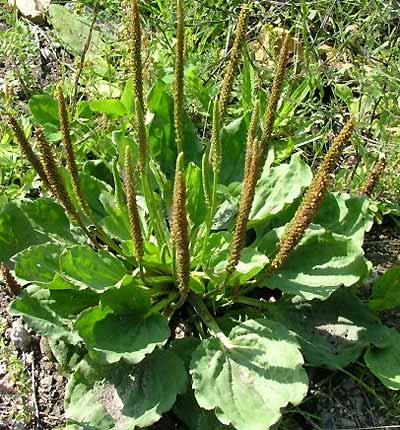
200, 295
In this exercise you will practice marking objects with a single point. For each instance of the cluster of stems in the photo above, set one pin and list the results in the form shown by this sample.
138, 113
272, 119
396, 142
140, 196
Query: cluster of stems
312, 199
255, 158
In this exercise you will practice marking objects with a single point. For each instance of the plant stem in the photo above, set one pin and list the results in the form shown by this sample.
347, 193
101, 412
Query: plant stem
160, 228
162, 303
207, 318
210, 215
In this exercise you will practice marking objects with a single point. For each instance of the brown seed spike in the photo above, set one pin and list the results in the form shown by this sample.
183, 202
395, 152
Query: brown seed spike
13, 288
227, 83
133, 212
369, 184
56, 183
27, 150
137, 77
312, 199
180, 229
248, 192
179, 76
270, 112
136, 52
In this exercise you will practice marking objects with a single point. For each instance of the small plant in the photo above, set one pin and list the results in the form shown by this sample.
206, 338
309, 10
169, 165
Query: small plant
155, 293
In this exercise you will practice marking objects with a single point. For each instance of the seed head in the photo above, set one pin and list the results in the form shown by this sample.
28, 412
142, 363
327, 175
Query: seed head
27, 150
180, 228
215, 148
179, 75
57, 186
134, 219
369, 184
312, 199
248, 192
227, 83
270, 113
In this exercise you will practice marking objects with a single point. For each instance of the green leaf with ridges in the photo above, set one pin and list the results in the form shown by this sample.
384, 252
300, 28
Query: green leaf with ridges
123, 397
38, 263
279, 187
119, 328
89, 269
327, 261
386, 291
257, 369
50, 312
332, 333
384, 363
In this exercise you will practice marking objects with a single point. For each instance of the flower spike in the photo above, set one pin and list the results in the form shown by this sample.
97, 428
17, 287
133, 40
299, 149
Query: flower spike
369, 184
27, 150
179, 75
133, 213
312, 199
227, 83
180, 229
270, 112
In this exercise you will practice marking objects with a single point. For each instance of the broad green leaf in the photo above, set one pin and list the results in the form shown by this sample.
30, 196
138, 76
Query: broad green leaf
123, 397
217, 254
44, 109
50, 313
233, 141
386, 291
100, 170
279, 187
257, 369
16, 232
251, 260
193, 416
384, 363
87, 268
346, 215
112, 107
196, 205
119, 327
127, 97
327, 261
92, 189
332, 333
49, 218
73, 32
161, 131
38, 263
31, 223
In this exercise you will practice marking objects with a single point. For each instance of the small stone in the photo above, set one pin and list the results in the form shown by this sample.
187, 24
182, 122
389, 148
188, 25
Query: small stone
7, 384
345, 423
19, 336
34, 10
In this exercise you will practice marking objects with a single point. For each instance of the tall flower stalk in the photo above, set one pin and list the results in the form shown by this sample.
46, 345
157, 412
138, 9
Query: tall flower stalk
179, 75
219, 111
57, 186
133, 212
368, 186
248, 192
270, 113
27, 150
73, 169
180, 231
312, 200
160, 228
